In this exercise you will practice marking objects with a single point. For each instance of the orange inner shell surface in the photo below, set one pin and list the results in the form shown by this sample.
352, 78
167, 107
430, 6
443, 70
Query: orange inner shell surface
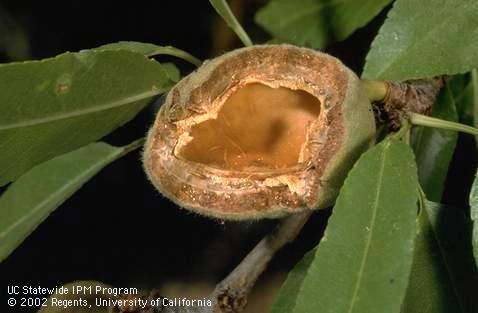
257, 128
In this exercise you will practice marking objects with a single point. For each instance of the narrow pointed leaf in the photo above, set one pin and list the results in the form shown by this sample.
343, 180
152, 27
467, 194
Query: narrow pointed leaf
474, 83
287, 298
434, 147
223, 9
174, 74
443, 275
466, 95
425, 38
349, 15
36, 194
461, 87
56, 105
297, 22
149, 49
451, 229
430, 288
314, 23
364, 259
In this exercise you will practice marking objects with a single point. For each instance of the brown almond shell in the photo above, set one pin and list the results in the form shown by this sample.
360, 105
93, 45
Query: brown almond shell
344, 128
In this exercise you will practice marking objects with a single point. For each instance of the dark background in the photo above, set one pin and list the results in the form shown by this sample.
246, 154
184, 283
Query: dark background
117, 229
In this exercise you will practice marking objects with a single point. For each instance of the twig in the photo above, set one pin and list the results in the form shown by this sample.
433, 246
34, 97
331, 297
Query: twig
230, 295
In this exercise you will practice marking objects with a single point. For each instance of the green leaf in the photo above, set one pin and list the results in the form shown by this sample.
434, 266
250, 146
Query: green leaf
443, 278
465, 106
474, 217
287, 297
149, 49
314, 23
36, 194
428, 121
434, 148
425, 38
467, 101
430, 288
474, 83
299, 22
364, 259
174, 74
56, 105
223, 9
349, 15
461, 87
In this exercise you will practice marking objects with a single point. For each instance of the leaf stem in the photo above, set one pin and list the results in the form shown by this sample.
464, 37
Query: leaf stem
230, 295
404, 132
223, 9
423, 120
138, 143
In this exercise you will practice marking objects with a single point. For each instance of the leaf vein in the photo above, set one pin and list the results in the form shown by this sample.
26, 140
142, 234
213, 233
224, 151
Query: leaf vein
369, 237
103, 107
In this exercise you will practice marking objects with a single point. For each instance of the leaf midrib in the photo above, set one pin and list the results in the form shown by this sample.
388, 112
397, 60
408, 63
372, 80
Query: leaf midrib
370, 233
84, 111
